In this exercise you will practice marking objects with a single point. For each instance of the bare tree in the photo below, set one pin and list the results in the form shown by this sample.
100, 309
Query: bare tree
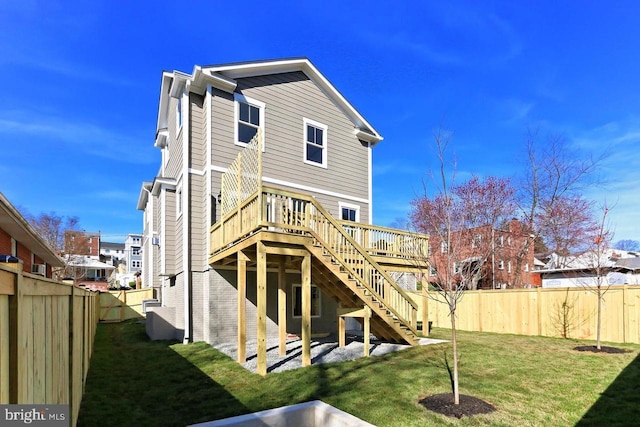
53, 227
598, 260
627, 245
459, 220
553, 182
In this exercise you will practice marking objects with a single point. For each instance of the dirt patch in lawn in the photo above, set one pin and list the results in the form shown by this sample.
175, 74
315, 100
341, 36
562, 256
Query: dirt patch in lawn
469, 405
603, 349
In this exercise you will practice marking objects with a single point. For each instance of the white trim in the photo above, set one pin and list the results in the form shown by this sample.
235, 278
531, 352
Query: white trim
238, 97
370, 183
325, 151
179, 116
186, 250
197, 171
293, 302
179, 199
348, 206
207, 153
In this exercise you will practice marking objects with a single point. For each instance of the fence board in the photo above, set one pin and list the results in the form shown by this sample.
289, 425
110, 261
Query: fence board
46, 339
116, 306
546, 312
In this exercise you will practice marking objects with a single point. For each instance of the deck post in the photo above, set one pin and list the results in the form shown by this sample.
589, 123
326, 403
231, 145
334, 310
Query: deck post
425, 311
367, 330
242, 302
341, 328
282, 308
306, 310
262, 308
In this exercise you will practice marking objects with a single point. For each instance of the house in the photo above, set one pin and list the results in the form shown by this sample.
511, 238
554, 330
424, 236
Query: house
112, 253
82, 243
133, 255
262, 209
19, 242
491, 256
617, 267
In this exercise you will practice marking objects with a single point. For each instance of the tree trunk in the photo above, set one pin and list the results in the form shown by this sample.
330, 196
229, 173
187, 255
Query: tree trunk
598, 346
454, 341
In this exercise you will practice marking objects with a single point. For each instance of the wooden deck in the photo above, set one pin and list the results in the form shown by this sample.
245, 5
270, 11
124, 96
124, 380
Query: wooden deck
265, 227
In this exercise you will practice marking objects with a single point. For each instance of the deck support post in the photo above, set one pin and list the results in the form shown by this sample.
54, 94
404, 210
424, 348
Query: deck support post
306, 310
341, 329
261, 303
242, 302
282, 308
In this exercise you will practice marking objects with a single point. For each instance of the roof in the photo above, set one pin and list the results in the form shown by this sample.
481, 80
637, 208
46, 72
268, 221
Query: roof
113, 246
224, 77
17, 227
89, 263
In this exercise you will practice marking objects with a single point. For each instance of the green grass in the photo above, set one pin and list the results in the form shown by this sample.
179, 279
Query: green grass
531, 380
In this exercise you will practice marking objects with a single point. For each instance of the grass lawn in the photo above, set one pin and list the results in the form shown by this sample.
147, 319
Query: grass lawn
531, 380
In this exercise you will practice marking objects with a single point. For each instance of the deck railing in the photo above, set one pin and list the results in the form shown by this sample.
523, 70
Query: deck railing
293, 213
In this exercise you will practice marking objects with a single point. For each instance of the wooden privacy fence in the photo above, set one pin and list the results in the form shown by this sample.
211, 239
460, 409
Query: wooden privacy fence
558, 312
46, 339
116, 306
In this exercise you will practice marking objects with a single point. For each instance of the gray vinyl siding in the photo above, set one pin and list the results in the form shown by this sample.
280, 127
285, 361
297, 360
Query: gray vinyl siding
290, 98
170, 229
199, 229
174, 161
197, 148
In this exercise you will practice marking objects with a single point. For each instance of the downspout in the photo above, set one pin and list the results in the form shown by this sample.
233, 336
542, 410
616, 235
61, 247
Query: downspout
186, 217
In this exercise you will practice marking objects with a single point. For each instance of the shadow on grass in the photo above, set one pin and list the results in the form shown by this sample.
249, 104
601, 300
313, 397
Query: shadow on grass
133, 381
618, 404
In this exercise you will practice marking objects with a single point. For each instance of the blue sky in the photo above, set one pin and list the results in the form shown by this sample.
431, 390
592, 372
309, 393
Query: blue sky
79, 100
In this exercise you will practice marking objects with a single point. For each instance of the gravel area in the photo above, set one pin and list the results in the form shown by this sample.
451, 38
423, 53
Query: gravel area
323, 350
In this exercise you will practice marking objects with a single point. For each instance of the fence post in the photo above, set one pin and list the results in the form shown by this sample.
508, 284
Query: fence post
539, 309
625, 314
16, 356
480, 310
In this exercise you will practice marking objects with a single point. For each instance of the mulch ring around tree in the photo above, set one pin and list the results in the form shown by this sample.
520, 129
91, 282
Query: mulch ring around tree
603, 349
469, 405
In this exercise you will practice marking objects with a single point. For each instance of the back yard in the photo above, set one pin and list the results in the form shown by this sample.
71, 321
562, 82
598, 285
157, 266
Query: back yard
532, 381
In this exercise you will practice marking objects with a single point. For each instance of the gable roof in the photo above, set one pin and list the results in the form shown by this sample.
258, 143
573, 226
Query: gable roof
224, 78
17, 227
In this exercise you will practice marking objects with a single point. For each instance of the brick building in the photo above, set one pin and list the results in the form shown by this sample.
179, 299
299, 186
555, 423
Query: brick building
485, 257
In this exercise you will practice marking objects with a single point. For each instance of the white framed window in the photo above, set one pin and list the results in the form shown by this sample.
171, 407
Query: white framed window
501, 265
444, 247
476, 241
501, 241
508, 266
349, 212
315, 143
135, 251
249, 117
432, 270
297, 301
456, 268
509, 241
526, 267
179, 200
179, 115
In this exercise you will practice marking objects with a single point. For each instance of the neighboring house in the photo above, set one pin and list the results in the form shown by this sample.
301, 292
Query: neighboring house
133, 252
306, 157
19, 241
88, 272
491, 255
82, 243
112, 253
618, 268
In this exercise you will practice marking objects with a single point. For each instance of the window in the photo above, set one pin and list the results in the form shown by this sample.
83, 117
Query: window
297, 301
526, 267
249, 118
136, 264
179, 114
179, 201
349, 212
475, 242
456, 268
501, 241
315, 143
135, 251
509, 241
501, 265
444, 247
432, 270
509, 267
